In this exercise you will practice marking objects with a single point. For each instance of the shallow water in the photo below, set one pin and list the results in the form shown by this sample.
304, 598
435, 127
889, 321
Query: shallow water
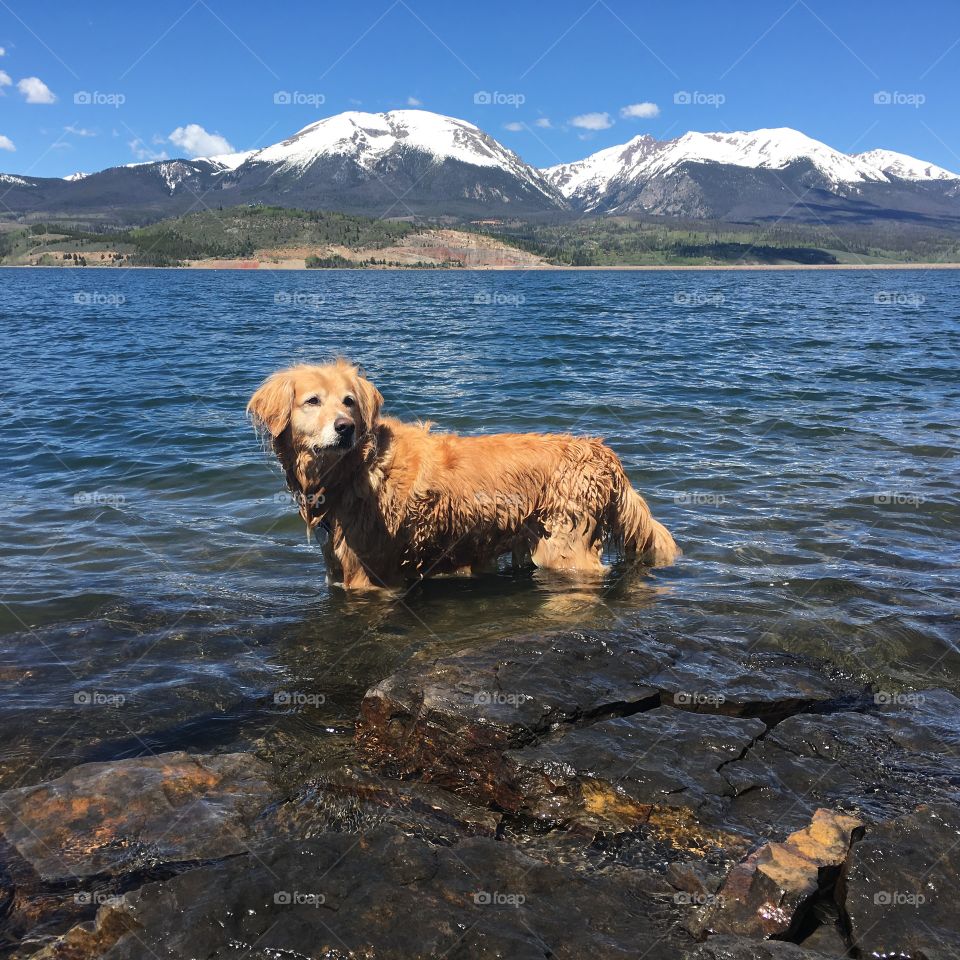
798, 433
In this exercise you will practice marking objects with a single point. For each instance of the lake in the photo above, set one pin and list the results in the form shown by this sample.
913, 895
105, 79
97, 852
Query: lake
797, 432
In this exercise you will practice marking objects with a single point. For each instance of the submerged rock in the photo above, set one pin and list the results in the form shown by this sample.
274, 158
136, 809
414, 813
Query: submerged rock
877, 765
765, 895
384, 895
112, 818
451, 721
899, 887
352, 801
616, 770
74, 843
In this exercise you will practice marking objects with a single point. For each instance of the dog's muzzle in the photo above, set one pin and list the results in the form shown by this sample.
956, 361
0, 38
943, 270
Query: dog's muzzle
340, 435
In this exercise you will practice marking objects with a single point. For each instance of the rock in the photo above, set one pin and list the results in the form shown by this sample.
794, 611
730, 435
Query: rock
614, 771
113, 818
740, 948
386, 895
875, 765
900, 883
765, 896
693, 878
351, 801
450, 721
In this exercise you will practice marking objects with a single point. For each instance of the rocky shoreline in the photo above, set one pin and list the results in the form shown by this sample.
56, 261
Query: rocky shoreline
568, 795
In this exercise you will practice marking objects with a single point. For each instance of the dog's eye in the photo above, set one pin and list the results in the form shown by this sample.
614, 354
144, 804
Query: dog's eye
348, 401
313, 401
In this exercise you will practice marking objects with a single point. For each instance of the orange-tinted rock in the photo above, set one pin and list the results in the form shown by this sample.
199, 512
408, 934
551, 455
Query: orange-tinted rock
764, 896
112, 818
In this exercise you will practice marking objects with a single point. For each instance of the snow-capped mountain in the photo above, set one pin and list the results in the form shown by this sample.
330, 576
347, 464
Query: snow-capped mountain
900, 166
369, 138
632, 177
398, 163
415, 163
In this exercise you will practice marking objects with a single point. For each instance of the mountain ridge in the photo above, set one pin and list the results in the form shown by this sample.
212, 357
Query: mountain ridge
419, 164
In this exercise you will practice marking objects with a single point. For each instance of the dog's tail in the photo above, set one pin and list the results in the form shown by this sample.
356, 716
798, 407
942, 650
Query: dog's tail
633, 528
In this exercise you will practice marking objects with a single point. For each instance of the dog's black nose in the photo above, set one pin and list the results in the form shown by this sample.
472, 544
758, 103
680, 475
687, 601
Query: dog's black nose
343, 426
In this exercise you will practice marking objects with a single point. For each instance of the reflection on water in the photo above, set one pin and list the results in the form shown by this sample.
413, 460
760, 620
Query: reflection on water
158, 591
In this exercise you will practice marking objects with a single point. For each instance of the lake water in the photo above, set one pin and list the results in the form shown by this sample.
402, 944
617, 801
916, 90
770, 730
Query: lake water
797, 432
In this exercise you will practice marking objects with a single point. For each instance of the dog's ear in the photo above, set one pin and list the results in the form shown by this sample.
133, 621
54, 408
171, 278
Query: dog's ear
270, 407
369, 402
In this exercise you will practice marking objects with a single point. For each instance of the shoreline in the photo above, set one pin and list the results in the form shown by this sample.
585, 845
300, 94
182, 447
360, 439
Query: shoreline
532, 268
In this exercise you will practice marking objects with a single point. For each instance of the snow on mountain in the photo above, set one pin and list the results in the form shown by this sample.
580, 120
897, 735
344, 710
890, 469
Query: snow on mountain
644, 158
904, 167
17, 181
229, 161
368, 137
76, 176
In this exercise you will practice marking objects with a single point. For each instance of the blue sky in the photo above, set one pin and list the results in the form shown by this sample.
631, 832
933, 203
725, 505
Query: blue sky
86, 86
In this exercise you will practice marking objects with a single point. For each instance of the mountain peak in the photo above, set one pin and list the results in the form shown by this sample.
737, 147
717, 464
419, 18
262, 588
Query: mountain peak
641, 159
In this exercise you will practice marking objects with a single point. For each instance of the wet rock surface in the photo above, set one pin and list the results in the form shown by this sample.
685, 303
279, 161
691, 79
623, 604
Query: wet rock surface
566, 796
451, 721
879, 764
618, 768
175, 806
765, 895
900, 886
388, 895
70, 844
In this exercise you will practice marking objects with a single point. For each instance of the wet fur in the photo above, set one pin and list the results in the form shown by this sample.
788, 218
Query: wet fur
406, 503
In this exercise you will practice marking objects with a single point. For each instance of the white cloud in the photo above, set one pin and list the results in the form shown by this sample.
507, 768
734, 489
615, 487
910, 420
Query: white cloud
515, 126
592, 121
142, 152
3, 51
198, 143
6, 143
414, 102
640, 111
543, 122
34, 90
5, 80
79, 131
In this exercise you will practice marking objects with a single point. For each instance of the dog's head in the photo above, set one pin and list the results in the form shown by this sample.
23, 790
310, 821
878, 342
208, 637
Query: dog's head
327, 409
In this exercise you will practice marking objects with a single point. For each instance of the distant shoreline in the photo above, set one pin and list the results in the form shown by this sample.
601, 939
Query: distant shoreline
531, 268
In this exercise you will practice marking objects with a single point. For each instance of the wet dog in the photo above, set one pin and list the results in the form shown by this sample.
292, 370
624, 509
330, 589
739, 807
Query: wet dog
401, 503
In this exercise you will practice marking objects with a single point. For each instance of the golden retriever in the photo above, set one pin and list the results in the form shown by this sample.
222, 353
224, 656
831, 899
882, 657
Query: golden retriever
401, 503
